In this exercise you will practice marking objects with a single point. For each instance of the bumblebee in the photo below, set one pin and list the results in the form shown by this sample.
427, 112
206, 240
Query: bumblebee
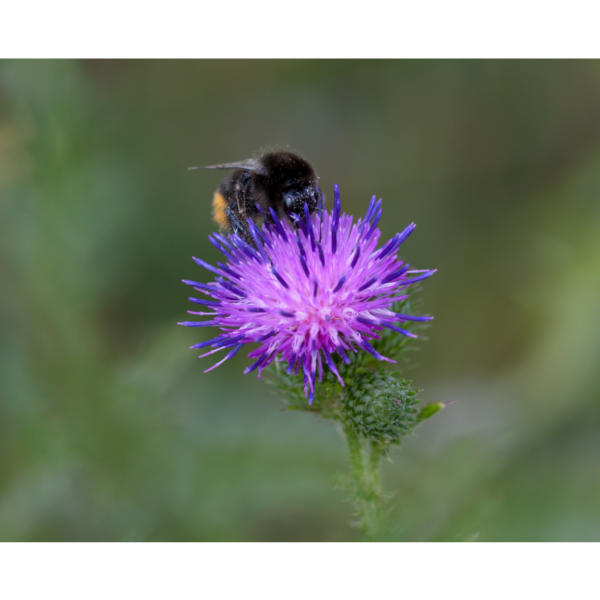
280, 180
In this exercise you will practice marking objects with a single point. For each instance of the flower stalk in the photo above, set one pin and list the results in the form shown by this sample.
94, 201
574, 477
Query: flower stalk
367, 494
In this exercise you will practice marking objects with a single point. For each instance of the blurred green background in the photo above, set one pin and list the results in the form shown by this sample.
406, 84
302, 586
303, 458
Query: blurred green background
109, 429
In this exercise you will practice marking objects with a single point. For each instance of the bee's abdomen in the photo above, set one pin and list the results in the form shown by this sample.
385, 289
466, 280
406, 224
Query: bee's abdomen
219, 215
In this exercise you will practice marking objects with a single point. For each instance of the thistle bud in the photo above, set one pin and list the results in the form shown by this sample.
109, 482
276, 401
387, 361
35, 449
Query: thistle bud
381, 406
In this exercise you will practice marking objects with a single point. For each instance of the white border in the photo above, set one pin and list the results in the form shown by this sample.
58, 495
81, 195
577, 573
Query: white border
299, 571
299, 29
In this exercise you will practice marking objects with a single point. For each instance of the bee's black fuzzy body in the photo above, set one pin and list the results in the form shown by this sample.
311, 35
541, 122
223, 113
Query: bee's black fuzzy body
280, 180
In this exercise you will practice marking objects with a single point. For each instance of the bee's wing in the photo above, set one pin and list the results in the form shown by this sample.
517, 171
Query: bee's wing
246, 165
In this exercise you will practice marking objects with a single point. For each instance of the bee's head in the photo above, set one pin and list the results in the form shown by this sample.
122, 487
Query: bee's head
296, 197
293, 183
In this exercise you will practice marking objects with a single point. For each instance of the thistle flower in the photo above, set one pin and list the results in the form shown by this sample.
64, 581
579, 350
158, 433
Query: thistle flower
306, 292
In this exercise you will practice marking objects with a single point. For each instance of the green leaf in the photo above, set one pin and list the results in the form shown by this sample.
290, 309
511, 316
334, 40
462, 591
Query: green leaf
428, 411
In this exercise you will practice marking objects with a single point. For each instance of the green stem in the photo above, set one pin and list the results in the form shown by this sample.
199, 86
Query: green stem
367, 497
377, 452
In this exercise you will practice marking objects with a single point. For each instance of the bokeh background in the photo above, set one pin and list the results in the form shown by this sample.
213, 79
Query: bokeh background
109, 429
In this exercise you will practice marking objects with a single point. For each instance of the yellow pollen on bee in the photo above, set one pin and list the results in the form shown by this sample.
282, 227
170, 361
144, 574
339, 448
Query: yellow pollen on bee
219, 205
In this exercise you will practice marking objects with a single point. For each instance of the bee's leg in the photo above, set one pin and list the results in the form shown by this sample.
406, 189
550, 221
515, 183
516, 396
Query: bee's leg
252, 211
320, 201
268, 218
238, 226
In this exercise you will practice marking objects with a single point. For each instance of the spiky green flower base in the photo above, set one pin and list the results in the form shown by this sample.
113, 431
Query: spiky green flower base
381, 406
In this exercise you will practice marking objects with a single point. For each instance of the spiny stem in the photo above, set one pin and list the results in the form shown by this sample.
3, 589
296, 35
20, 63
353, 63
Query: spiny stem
367, 497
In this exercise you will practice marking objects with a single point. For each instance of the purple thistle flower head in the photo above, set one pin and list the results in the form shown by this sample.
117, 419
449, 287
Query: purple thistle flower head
306, 292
